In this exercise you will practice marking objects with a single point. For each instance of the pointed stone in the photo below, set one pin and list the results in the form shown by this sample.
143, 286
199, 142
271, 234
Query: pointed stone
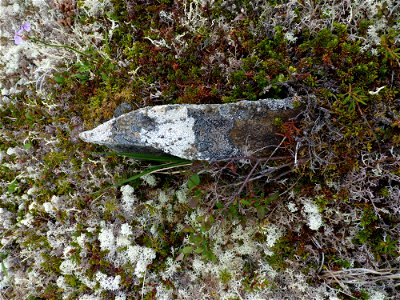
197, 132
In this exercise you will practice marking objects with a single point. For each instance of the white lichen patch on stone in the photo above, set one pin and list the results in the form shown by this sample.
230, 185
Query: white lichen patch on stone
101, 135
173, 132
277, 104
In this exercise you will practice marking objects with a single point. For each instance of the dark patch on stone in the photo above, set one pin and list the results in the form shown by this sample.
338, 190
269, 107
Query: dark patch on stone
121, 109
209, 128
255, 136
131, 142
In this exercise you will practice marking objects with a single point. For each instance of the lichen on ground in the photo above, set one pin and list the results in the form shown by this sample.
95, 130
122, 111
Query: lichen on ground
319, 219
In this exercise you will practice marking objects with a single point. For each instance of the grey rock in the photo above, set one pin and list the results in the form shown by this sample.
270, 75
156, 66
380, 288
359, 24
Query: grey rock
197, 132
122, 109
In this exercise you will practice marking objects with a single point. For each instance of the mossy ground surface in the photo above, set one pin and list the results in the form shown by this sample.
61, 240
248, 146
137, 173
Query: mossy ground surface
317, 220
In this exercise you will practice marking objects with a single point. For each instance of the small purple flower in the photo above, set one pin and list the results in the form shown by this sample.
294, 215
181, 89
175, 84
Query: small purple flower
17, 38
19, 34
26, 26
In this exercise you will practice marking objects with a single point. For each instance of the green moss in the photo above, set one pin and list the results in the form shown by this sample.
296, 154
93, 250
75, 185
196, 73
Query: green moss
35, 241
380, 241
225, 276
72, 281
283, 250
51, 264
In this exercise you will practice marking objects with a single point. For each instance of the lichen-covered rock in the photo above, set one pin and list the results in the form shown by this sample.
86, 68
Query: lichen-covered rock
197, 132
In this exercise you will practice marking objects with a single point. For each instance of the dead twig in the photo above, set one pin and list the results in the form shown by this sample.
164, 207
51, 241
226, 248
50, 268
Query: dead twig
248, 177
363, 276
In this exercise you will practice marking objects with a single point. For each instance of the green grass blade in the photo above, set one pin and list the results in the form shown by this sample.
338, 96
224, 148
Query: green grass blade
146, 156
154, 169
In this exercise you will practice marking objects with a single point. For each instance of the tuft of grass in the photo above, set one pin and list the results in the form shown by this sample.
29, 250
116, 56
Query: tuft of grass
168, 162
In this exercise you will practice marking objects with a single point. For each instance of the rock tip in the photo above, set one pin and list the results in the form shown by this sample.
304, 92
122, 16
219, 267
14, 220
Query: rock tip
101, 135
